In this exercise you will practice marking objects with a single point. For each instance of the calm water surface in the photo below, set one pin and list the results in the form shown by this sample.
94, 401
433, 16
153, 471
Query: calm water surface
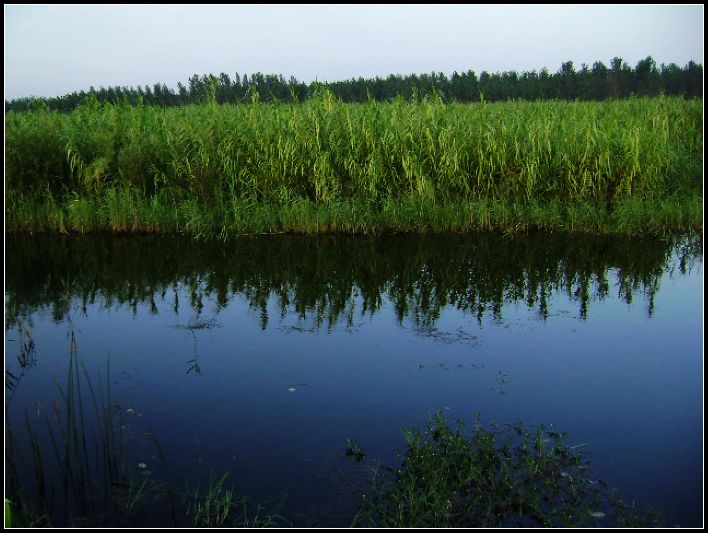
260, 357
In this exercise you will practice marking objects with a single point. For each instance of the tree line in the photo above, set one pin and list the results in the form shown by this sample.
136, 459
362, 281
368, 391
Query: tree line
598, 82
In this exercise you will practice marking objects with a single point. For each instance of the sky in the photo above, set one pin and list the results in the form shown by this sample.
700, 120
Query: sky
54, 50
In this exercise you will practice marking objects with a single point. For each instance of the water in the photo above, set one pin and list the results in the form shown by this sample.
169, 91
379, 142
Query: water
261, 356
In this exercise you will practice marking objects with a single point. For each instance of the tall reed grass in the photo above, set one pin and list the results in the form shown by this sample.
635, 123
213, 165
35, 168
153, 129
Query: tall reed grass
325, 165
75, 465
65, 472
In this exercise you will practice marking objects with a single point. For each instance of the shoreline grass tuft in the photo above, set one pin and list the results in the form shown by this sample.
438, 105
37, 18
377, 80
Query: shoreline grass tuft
499, 477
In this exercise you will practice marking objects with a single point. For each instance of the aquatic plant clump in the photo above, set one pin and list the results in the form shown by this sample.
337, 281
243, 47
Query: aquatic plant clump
509, 477
630, 165
76, 466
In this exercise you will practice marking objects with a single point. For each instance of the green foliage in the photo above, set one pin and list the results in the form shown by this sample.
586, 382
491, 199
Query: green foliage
325, 165
598, 83
510, 477
220, 507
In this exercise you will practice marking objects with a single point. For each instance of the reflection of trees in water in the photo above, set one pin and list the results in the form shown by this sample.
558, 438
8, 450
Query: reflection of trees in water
328, 279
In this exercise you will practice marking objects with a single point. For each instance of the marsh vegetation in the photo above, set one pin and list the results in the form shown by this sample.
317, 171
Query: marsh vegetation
631, 166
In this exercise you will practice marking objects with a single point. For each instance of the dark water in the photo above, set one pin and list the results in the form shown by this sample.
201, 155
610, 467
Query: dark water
261, 356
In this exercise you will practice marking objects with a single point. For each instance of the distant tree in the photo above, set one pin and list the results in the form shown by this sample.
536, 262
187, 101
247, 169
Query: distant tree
620, 78
568, 81
694, 79
646, 78
598, 83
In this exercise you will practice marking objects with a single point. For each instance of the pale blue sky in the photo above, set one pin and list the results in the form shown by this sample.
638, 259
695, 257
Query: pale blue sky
53, 50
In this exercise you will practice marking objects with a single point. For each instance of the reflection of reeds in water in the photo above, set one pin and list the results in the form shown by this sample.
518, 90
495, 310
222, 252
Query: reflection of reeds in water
197, 324
325, 280
26, 359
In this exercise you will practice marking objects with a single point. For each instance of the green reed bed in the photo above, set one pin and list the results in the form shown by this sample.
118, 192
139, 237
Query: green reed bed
630, 165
